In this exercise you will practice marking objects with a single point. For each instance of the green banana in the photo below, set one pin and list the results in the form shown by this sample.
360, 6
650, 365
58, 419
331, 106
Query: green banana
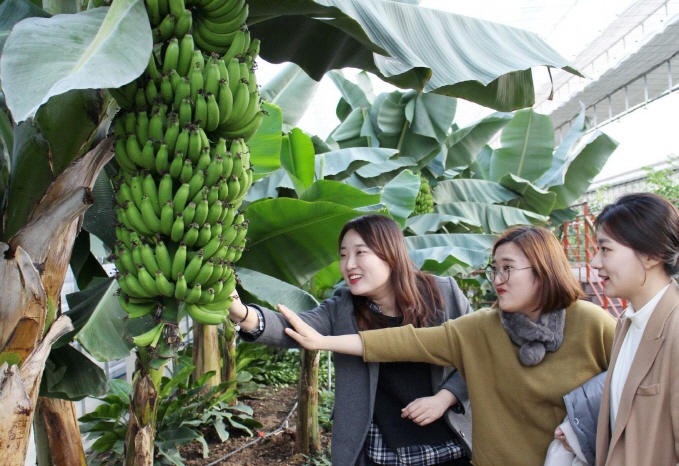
177, 165
214, 212
191, 235
151, 91
214, 171
162, 158
151, 220
182, 92
225, 102
136, 220
155, 128
171, 56
214, 5
163, 259
204, 317
135, 310
212, 117
148, 259
149, 338
241, 42
212, 246
204, 235
171, 133
196, 81
241, 99
189, 212
204, 272
186, 47
150, 190
202, 210
177, 232
180, 198
165, 287
180, 288
183, 24
200, 111
195, 144
247, 131
254, 106
122, 158
166, 91
167, 218
196, 182
165, 29
185, 112
153, 11
193, 294
148, 155
147, 281
179, 261
206, 296
183, 139
176, 7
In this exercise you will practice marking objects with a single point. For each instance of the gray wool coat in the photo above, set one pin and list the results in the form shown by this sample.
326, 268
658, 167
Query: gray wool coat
356, 381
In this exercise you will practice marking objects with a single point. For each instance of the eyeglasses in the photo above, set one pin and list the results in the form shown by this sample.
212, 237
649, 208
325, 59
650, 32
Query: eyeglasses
502, 272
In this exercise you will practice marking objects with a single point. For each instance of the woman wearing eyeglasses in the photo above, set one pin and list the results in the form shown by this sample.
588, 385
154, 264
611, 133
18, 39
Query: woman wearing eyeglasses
519, 358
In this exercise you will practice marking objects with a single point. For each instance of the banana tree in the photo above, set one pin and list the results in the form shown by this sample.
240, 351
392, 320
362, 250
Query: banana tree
108, 49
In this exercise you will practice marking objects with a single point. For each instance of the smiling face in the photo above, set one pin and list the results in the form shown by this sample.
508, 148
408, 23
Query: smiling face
363, 271
621, 270
521, 293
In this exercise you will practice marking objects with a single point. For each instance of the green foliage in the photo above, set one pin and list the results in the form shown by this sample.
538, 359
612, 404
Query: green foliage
275, 366
664, 182
184, 408
326, 403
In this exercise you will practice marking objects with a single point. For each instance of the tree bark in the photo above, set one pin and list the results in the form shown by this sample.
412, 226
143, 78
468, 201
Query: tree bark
139, 442
206, 356
308, 435
229, 352
58, 438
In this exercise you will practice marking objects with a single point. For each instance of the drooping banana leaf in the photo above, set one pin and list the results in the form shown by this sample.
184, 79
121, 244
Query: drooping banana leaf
406, 45
292, 90
532, 198
450, 254
298, 159
265, 145
342, 163
527, 146
431, 223
269, 291
562, 155
585, 166
70, 375
469, 190
13, 11
464, 145
352, 93
399, 196
94, 49
291, 239
339, 193
492, 218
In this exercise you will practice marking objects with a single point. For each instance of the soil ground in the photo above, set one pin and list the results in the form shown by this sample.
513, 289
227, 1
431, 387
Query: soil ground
271, 406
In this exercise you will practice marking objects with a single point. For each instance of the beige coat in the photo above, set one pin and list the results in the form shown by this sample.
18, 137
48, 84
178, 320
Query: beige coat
647, 425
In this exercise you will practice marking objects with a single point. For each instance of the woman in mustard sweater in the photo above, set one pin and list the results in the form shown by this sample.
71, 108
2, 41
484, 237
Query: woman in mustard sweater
537, 343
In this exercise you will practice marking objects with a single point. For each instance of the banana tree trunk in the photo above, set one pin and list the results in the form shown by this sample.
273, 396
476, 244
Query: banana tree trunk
139, 443
206, 356
19, 393
58, 440
30, 300
308, 435
229, 352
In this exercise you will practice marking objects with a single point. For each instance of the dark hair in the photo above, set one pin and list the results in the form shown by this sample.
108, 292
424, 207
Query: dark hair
559, 287
417, 295
645, 222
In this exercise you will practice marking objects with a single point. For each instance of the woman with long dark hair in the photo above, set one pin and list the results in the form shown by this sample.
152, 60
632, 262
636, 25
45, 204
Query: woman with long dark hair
638, 239
519, 358
390, 414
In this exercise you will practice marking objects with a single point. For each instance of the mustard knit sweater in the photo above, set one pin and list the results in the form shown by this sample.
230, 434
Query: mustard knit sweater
515, 408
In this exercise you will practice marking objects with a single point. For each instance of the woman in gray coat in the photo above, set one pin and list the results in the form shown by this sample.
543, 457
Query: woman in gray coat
385, 413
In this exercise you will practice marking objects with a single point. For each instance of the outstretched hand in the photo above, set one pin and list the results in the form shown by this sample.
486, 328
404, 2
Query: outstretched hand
303, 334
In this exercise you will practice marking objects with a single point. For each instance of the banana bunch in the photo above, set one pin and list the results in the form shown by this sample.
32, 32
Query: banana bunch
180, 141
424, 202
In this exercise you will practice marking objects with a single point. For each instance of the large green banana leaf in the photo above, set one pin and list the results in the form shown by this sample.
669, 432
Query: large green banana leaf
469, 190
339, 193
527, 146
342, 163
492, 218
450, 254
376, 169
464, 145
291, 239
406, 45
265, 145
269, 291
432, 223
13, 11
70, 375
399, 195
292, 90
355, 130
585, 166
99, 48
532, 198
298, 157
562, 155
60, 132
352, 93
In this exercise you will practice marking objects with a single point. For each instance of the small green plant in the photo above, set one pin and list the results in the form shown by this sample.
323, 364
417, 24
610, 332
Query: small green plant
274, 366
664, 182
326, 404
184, 408
319, 459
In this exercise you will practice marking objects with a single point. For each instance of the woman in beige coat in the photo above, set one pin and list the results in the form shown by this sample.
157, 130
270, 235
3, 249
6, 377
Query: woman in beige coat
638, 239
